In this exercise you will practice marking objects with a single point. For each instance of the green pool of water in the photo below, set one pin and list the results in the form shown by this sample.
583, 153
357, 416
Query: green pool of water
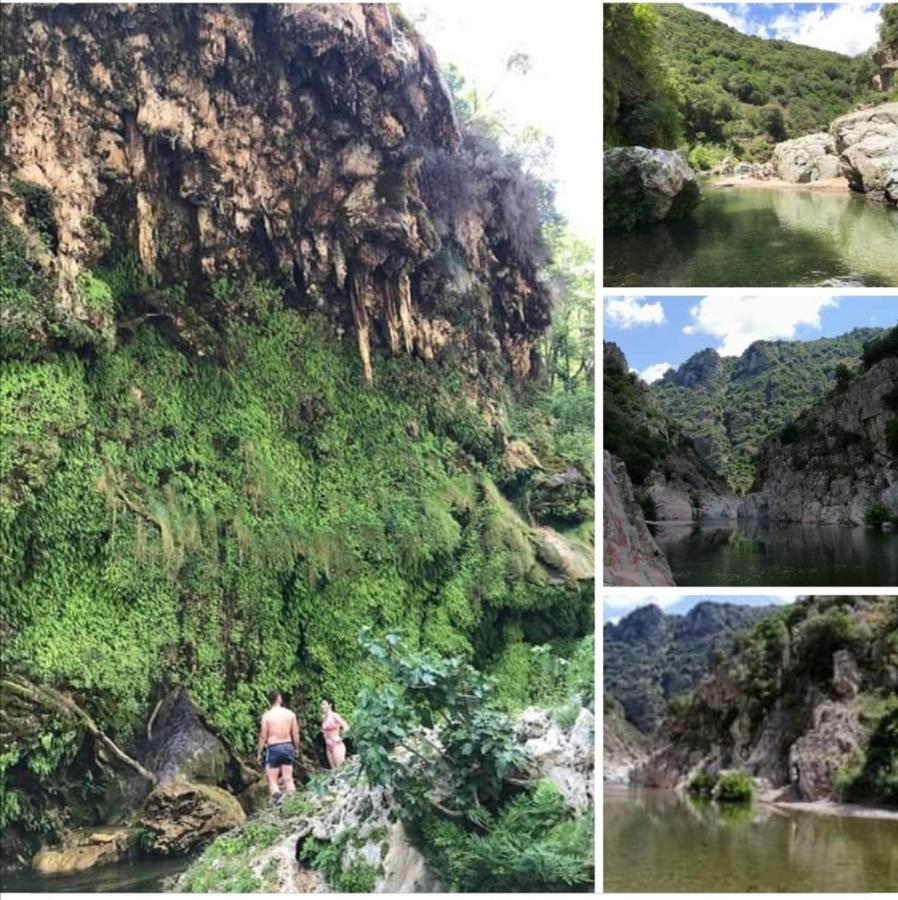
761, 237
752, 553
660, 841
141, 876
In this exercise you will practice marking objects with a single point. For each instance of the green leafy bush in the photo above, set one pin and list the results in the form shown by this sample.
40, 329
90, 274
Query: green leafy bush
734, 787
702, 784
877, 514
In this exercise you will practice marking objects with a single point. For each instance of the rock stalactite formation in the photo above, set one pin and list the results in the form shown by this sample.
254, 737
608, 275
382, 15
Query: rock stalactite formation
314, 145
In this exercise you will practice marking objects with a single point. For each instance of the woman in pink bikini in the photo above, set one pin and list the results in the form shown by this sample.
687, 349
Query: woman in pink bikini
331, 724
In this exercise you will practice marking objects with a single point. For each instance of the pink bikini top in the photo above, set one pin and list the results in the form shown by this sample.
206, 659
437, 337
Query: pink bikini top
330, 724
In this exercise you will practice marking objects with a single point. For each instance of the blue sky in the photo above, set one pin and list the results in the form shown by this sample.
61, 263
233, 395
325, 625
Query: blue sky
849, 28
658, 332
615, 607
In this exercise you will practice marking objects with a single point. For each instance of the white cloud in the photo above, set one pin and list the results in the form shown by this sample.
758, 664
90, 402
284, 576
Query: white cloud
627, 312
739, 321
845, 28
654, 373
734, 15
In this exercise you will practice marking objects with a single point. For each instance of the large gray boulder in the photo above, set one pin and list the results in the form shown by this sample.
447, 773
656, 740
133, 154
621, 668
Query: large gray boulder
867, 143
643, 186
809, 158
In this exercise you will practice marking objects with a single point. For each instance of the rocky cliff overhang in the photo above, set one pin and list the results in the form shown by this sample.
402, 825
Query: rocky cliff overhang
313, 146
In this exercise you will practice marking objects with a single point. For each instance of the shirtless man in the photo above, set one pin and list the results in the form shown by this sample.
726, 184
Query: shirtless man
279, 740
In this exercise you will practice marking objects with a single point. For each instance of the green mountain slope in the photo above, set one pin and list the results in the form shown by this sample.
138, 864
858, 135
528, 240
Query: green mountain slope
742, 80
651, 658
730, 405
674, 76
806, 702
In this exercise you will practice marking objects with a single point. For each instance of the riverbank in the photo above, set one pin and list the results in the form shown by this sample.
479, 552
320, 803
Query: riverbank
833, 808
823, 186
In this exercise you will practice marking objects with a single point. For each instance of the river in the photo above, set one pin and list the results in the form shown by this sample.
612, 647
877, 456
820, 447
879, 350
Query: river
757, 237
659, 841
141, 876
753, 553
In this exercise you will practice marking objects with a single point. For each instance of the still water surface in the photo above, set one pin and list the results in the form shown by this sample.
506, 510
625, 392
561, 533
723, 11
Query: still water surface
753, 553
142, 876
755, 237
659, 841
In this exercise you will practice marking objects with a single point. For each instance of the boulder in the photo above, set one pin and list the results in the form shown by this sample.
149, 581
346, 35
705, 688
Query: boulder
867, 144
632, 558
846, 675
644, 186
184, 815
809, 158
564, 756
84, 849
816, 757
570, 559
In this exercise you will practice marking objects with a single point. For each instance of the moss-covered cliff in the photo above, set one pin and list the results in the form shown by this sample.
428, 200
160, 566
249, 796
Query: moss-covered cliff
267, 377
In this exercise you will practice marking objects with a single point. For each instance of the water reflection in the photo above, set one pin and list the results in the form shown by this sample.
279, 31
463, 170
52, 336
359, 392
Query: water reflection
756, 553
762, 236
142, 876
659, 841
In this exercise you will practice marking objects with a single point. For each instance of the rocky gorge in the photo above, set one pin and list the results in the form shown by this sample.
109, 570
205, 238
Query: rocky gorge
805, 707
788, 435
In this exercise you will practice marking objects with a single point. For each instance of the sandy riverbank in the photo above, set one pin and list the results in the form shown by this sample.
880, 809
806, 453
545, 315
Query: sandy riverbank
831, 808
825, 185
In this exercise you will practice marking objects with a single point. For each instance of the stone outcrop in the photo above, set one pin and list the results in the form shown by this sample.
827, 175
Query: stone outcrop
346, 812
813, 720
839, 464
886, 58
182, 816
632, 558
867, 144
312, 145
566, 756
809, 158
647, 185
85, 849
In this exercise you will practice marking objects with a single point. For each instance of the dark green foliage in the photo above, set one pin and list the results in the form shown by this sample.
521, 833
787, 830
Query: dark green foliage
625, 203
892, 436
39, 206
874, 776
877, 514
880, 348
477, 743
736, 404
702, 784
640, 105
358, 877
821, 637
672, 72
888, 28
734, 787
534, 844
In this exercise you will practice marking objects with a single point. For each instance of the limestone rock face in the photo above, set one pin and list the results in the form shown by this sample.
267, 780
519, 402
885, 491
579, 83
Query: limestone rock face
184, 815
867, 144
647, 185
887, 60
817, 755
808, 158
566, 756
841, 468
313, 145
632, 558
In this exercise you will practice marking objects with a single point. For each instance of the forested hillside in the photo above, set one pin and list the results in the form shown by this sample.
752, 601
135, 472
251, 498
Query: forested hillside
652, 658
731, 405
676, 77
